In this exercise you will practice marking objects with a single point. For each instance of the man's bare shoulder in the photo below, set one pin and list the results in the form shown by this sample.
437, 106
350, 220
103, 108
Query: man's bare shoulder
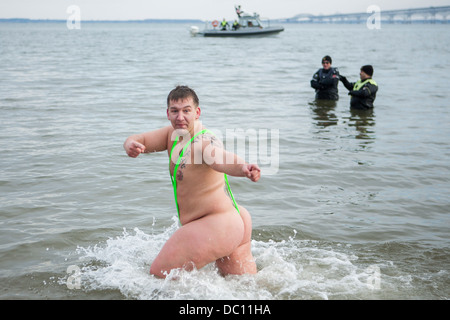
209, 139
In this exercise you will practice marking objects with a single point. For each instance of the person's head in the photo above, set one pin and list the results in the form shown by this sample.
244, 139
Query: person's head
326, 62
183, 108
366, 72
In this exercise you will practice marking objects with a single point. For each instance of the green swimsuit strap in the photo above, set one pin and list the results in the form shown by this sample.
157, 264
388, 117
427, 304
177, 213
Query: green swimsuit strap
177, 164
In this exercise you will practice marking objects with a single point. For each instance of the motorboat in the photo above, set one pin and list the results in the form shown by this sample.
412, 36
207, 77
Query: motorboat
245, 25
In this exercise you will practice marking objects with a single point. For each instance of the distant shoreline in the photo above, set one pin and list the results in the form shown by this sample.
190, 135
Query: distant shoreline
428, 15
284, 21
24, 20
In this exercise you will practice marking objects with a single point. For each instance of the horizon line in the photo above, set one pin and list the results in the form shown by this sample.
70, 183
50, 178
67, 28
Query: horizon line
187, 19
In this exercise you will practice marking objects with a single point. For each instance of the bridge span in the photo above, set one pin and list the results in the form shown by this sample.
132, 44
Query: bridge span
416, 15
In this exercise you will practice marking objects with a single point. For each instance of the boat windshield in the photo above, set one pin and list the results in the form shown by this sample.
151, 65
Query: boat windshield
250, 22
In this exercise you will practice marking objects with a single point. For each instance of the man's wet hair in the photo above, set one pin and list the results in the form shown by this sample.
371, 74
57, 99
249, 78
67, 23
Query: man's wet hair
181, 93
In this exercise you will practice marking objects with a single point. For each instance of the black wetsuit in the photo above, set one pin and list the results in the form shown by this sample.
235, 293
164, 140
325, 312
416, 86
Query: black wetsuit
363, 93
326, 84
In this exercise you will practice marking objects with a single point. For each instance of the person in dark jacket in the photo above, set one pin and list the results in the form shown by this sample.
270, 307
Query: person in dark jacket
326, 80
363, 91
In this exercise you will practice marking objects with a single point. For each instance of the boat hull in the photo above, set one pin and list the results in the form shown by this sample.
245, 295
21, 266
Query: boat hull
242, 32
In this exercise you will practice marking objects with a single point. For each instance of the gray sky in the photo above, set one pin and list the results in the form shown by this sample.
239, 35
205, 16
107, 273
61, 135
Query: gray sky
194, 9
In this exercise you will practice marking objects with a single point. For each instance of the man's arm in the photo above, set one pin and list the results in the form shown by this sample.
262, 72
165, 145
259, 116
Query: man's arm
237, 168
229, 163
152, 141
315, 81
346, 83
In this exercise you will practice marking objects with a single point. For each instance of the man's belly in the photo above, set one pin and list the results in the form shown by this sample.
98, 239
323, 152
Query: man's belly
199, 203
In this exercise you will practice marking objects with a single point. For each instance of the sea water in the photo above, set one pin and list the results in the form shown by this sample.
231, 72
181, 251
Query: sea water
351, 205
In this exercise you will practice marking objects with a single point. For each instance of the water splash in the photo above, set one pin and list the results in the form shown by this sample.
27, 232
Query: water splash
287, 269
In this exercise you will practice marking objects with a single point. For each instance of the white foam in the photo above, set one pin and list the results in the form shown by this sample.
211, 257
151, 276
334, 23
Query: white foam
290, 269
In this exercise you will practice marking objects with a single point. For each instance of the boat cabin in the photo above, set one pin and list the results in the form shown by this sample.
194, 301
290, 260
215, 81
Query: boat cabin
249, 21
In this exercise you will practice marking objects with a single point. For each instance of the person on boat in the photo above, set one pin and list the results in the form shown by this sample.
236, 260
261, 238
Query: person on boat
364, 91
239, 11
224, 24
214, 228
235, 25
325, 81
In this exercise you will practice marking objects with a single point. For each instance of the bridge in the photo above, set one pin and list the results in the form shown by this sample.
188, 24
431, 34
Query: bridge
422, 15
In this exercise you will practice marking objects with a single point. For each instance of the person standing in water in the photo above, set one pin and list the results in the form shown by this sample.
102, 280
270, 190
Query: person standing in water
364, 91
214, 228
325, 81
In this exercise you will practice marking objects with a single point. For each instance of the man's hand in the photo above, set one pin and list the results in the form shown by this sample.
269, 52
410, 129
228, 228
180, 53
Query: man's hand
133, 148
251, 171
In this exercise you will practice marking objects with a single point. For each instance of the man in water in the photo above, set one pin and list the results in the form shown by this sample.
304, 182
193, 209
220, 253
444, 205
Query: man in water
214, 227
364, 91
326, 81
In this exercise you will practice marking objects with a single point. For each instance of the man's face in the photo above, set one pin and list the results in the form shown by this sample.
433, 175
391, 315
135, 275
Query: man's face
363, 75
326, 65
183, 113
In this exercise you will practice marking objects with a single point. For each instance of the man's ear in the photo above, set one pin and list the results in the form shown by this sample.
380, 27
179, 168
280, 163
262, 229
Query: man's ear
198, 113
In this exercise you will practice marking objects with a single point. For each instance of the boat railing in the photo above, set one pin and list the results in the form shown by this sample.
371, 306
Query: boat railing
266, 20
